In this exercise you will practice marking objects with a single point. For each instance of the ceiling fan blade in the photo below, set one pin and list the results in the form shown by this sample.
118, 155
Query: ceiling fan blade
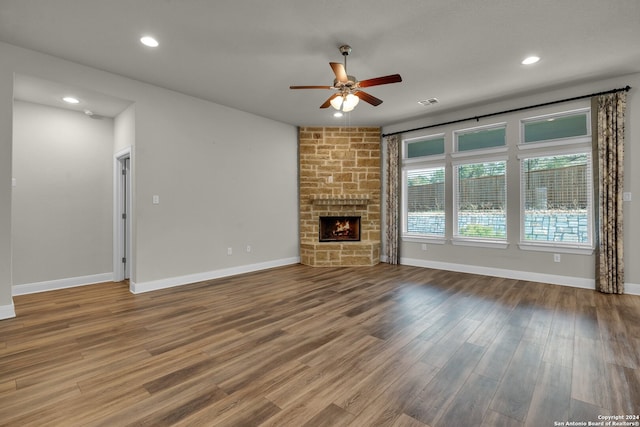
310, 87
368, 98
327, 103
393, 78
339, 71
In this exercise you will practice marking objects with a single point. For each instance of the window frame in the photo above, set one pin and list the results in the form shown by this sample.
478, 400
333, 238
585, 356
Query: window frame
549, 143
456, 238
555, 246
432, 157
455, 152
581, 144
514, 150
420, 237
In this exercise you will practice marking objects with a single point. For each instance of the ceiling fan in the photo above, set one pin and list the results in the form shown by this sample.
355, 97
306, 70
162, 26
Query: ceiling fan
348, 88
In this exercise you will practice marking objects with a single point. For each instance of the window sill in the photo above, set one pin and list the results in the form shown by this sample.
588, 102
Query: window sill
577, 250
481, 243
416, 238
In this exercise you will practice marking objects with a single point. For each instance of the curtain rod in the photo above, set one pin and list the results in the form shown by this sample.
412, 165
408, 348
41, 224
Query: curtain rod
477, 118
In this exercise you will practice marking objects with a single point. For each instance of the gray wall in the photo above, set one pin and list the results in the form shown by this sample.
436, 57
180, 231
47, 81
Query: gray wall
6, 116
62, 214
574, 269
224, 177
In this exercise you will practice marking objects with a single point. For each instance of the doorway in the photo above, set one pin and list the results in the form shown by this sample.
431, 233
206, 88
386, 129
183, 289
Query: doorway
122, 253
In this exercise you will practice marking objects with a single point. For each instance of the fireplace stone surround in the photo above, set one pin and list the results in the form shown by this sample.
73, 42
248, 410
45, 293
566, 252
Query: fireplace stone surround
340, 177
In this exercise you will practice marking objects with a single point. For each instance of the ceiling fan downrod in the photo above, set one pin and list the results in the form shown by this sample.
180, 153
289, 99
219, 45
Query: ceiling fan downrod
345, 50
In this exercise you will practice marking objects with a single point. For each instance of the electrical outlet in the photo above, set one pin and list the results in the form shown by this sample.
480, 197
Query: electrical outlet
626, 196
556, 257
424, 246
229, 251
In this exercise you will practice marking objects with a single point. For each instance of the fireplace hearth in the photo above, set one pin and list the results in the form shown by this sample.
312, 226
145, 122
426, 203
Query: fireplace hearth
339, 229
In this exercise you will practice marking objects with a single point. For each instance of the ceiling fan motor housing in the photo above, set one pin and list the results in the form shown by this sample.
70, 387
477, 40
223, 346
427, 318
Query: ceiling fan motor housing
349, 84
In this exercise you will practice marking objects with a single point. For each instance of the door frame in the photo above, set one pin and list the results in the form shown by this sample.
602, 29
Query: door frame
120, 242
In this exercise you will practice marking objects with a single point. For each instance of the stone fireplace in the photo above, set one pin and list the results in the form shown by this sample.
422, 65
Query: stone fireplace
340, 180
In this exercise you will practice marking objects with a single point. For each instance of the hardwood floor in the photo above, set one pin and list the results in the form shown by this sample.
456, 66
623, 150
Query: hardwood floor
302, 346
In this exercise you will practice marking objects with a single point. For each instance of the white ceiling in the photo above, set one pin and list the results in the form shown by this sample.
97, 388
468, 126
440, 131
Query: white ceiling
246, 53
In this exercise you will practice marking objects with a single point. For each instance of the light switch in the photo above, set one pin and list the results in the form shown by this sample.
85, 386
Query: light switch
626, 196
156, 199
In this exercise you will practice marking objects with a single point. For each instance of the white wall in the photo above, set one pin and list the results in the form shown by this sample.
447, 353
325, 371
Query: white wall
225, 178
62, 215
575, 270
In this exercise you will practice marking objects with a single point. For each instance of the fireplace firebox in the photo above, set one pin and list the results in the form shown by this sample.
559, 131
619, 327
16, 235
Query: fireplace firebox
339, 228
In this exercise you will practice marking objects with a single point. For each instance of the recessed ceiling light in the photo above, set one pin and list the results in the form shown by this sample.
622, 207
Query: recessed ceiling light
71, 100
337, 114
149, 41
530, 60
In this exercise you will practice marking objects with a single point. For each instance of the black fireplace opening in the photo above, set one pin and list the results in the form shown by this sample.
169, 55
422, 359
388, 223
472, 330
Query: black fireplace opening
339, 228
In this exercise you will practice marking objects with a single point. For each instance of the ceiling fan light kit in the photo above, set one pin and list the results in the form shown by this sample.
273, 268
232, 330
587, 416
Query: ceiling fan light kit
348, 88
345, 103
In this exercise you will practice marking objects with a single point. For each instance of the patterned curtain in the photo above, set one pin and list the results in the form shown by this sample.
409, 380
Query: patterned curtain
610, 156
392, 206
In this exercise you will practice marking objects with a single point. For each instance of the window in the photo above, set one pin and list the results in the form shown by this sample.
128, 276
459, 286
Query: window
556, 181
455, 188
422, 147
480, 138
424, 198
480, 200
556, 193
568, 127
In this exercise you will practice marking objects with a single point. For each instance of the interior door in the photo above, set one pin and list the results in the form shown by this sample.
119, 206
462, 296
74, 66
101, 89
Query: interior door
126, 216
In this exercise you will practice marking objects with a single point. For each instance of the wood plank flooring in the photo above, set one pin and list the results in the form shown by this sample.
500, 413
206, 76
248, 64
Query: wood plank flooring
302, 346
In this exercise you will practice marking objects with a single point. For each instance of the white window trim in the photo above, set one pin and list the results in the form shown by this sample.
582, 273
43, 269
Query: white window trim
554, 142
404, 234
567, 148
551, 143
557, 247
480, 243
481, 157
456, 133
423, 238
424, 160
477, 241
561, 151
406, 142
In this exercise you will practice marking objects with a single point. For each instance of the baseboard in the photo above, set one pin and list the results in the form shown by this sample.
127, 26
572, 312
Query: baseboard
154, 285
7, 311
52, 285
576, 282
632, 288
